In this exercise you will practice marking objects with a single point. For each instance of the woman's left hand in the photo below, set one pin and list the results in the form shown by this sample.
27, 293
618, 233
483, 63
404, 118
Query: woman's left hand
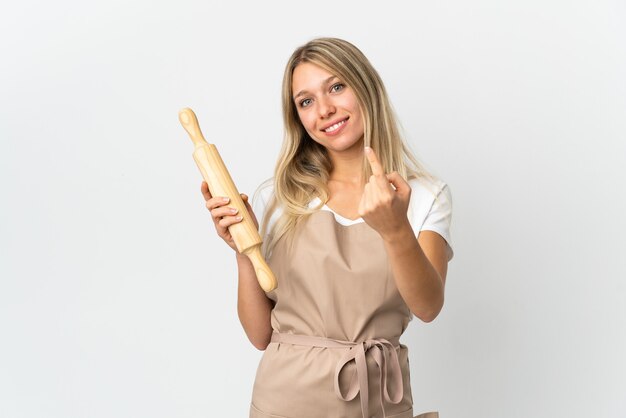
382, 206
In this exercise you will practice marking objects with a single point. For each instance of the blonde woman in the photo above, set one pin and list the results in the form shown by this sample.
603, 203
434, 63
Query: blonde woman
357, 234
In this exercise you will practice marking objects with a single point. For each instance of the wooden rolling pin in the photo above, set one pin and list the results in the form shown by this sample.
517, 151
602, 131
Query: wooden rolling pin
214, 172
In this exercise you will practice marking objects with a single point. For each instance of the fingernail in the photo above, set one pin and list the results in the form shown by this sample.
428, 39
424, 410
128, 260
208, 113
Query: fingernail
239, 218
233, 210
225, 199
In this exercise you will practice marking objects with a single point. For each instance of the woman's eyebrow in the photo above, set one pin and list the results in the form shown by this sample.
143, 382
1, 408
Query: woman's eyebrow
325, 82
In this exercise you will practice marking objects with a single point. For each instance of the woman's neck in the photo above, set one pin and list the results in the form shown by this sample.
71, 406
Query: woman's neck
347, 167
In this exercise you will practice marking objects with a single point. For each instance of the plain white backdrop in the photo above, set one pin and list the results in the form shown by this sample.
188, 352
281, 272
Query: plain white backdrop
117, 299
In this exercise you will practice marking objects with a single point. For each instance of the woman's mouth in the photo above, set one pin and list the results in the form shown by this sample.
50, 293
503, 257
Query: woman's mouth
335, 128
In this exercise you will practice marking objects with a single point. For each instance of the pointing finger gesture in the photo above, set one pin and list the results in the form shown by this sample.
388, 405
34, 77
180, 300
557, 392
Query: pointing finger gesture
385, 199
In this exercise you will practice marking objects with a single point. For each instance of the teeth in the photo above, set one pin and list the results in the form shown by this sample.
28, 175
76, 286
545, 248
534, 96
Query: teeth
335, 126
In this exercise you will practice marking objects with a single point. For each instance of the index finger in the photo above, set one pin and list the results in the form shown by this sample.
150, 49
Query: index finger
377, 168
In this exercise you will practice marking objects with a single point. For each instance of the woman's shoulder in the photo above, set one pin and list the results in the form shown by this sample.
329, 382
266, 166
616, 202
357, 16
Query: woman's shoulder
430, 207
425, 188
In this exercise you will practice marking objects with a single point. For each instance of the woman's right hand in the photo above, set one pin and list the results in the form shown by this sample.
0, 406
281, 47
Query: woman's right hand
224, 216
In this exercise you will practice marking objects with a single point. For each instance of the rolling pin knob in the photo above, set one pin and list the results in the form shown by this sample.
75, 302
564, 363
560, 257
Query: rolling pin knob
264, 275
190, 122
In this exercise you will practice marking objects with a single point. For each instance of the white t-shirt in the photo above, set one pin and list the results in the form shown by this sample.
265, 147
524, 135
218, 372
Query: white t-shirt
425, 211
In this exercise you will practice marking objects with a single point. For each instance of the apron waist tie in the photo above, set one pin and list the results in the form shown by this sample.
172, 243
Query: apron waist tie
382, 350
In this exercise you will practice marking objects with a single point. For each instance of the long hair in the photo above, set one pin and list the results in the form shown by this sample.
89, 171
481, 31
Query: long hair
303, 167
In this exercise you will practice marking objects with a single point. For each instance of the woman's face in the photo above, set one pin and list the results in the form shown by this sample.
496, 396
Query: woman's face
328, 108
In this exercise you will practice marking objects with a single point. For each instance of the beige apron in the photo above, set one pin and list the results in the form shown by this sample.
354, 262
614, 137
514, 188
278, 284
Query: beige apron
335, 350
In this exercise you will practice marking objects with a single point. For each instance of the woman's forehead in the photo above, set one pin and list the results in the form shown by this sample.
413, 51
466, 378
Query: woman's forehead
308, 76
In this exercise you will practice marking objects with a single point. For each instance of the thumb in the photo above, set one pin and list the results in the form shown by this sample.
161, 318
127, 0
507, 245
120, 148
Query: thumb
246, 201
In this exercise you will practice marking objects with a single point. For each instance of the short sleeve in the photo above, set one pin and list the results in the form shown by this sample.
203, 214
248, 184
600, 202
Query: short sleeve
431, 209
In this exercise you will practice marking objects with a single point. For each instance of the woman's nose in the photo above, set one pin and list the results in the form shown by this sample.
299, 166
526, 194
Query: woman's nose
326, 108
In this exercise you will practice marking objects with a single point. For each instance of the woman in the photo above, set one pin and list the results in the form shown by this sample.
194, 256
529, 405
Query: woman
357, 234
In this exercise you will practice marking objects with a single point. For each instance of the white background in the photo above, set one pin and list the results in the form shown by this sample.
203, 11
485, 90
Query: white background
117, 299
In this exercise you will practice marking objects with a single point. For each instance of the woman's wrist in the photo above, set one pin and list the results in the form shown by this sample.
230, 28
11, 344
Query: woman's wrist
244, 263
241, 258
401, 234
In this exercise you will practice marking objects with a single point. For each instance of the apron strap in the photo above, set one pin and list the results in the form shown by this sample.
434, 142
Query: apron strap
381, 350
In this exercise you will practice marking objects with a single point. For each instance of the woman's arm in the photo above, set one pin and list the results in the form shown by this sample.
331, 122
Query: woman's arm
253, 306
419, 268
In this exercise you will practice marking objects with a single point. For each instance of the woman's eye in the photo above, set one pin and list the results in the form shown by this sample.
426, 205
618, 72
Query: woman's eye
337, 87
305, 102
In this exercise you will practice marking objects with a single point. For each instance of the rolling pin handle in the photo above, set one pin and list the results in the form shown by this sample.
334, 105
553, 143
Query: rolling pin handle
190, 122
263, 273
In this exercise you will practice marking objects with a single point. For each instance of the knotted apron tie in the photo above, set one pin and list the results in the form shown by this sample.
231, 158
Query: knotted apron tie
381, 350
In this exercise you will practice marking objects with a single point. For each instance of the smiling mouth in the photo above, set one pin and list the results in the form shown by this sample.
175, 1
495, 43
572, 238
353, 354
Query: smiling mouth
336, 126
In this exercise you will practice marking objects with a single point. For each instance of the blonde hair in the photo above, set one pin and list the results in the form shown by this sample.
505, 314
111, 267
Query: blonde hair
303, 167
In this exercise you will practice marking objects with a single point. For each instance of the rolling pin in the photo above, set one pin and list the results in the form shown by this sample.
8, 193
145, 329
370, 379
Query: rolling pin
214, 172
